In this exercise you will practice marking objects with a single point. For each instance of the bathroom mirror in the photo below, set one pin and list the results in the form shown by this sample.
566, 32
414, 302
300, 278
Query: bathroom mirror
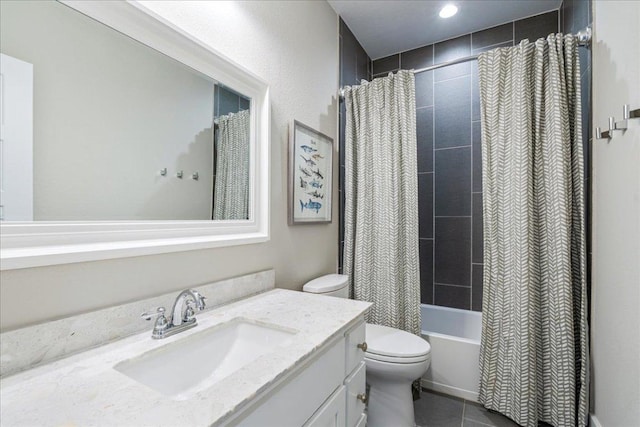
116, 121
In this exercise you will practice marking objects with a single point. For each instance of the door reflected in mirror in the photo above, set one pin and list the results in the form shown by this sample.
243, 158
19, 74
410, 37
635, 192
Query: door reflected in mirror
100, 127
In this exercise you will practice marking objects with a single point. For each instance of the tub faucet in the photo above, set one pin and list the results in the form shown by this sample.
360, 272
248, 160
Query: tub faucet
181, 318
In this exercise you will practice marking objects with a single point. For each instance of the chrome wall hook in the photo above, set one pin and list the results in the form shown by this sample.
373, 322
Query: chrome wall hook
602, 135
163, 172
179, 174
607, 134
627, 114
195, 176
613, 125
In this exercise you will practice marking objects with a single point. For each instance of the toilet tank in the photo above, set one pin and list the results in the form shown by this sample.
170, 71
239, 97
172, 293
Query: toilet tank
334, 285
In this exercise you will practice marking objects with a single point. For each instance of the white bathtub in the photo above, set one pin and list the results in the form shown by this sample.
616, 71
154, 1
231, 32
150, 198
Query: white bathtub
454, 336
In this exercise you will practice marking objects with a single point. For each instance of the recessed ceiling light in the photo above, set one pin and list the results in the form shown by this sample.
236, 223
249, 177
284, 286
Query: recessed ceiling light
448, 10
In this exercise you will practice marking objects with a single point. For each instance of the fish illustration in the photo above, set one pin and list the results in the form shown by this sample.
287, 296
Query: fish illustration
309, 162
317, 173
311, 205
308, 149
317, 156
316, 194
305, 171
315, 184
303, 183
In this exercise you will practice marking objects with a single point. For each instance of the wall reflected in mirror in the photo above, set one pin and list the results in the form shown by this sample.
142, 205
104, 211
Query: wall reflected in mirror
99, 127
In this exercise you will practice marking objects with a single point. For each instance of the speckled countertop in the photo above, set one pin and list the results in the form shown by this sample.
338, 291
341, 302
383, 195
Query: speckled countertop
84, 389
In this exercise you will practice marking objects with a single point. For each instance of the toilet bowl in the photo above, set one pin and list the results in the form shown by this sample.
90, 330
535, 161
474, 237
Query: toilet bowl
393, 360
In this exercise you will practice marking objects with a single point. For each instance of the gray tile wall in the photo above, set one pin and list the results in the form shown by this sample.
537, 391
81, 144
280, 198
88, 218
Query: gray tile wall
355, 65
226, 101
449, 144
449, 157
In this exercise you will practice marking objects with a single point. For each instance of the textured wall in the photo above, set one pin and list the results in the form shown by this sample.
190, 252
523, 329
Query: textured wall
615, 318
294, 47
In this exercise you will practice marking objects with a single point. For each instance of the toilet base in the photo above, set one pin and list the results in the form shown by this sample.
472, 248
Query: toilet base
390, 404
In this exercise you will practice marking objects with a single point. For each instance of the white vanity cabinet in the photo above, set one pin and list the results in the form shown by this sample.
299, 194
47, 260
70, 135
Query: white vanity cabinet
315, 377
355, 378
328, 391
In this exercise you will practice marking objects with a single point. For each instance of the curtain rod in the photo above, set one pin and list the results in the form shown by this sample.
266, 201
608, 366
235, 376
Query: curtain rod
583, 36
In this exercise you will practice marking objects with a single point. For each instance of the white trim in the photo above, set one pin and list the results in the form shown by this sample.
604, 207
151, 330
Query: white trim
33, 244
594, 421
450, 390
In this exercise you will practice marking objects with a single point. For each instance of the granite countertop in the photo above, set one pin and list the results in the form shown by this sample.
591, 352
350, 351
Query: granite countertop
84, 389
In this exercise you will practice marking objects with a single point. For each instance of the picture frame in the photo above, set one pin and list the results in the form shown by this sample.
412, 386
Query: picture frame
310, 175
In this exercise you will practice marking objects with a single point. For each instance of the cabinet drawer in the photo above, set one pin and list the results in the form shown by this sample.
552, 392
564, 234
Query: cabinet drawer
331, 413
354, 355
355, 386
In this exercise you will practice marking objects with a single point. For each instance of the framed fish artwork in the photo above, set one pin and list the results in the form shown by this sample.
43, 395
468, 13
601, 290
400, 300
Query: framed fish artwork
310, 173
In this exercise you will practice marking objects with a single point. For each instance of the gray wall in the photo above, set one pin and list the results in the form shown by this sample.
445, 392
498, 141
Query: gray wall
109, 113
615, 318
294, 47
449, 157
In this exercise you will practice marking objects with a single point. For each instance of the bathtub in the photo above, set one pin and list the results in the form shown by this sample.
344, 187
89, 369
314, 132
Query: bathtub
454, 336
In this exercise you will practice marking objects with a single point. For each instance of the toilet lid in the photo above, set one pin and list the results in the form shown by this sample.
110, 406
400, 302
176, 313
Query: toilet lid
327, 283
391, 342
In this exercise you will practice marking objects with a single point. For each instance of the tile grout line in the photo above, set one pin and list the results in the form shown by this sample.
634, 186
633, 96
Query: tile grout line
433, 181
492, 45
471, 195
451, 284
451, 148
452, 78
464, 407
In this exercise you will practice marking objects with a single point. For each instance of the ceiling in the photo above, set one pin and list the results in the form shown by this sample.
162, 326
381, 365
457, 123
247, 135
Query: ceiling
385, 27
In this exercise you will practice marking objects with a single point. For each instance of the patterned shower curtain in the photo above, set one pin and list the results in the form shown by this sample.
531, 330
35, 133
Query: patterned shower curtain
231, 192
534, 350
381, 200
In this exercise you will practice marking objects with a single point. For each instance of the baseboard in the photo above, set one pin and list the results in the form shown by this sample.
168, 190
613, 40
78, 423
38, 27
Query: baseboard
452, 391
593, 421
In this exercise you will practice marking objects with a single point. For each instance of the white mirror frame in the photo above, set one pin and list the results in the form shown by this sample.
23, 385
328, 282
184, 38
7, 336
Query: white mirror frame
33, 244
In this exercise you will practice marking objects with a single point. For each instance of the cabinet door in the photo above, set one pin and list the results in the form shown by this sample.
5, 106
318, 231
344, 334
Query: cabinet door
356, 389
331, 413
354, 354
300, 397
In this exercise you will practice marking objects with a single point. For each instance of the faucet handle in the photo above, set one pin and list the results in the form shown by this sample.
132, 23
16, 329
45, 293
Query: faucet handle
190, 312
148, 316
161, 325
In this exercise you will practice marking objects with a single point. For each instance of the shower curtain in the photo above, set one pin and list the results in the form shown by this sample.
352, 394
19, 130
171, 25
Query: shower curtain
533, 356
381, 200
231, 192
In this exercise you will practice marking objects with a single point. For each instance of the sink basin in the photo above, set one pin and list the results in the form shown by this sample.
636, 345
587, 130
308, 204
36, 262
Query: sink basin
183, 367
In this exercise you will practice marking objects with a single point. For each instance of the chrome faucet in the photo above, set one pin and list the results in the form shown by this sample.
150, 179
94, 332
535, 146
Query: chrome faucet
181, 318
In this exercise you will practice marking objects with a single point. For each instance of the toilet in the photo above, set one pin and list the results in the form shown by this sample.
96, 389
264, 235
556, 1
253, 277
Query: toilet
393, 360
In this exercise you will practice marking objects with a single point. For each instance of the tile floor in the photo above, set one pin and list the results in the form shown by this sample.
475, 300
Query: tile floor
439, 410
